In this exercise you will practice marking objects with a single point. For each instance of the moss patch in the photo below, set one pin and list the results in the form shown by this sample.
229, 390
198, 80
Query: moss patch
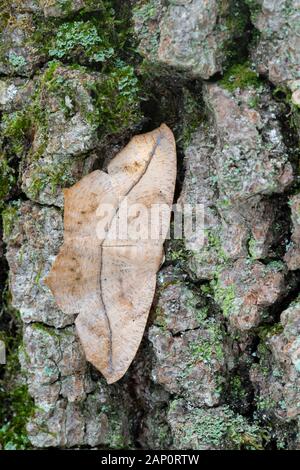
116, 100
211, 346
7, 179
9, 215
144, 14
240, 76
16, 406
15, 129
225, 297
219, 429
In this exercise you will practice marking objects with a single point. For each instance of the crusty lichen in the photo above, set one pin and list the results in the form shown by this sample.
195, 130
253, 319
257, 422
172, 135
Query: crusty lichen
217, 428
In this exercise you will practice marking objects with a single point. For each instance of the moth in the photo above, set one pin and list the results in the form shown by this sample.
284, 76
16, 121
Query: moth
105, 271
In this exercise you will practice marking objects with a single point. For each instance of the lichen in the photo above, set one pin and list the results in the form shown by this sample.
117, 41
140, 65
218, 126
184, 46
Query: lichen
214, 242
17, 61
9, 215
220, 428
211, 345
15, 128
145, 13
7, 178
225, 297
51, 177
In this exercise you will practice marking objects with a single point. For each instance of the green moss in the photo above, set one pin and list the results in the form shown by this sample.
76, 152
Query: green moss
284, 95
33, 117
177, 253
160, 318
19, 407
252, 246
192, 117
255, 8
210, 346
46, 330
225, 297
267, 331
240, 76
9, 217
236, 17
117, 437
144, 13
4, 14
7, 179
15, 128
237, 390
115, 96
117, 101
234, 21
17, 61
214, 242
36, 110
202, 314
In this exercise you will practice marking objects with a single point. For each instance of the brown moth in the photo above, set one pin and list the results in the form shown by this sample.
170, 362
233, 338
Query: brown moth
109, 280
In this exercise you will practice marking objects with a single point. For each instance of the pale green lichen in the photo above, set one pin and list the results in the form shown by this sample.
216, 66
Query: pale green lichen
50, 177
219, 429
144, 13
81, 39
18, 62
191, 119
9, 218
7, 178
